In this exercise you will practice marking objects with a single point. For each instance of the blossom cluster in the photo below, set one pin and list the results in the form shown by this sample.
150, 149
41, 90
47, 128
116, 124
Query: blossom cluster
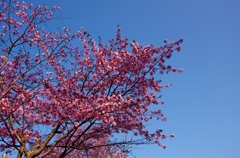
56, 97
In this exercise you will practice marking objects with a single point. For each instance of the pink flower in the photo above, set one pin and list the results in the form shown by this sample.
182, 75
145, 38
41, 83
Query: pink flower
174, 69
17, 4
114, 123
10, 21
180, 70
178, 48
1, 16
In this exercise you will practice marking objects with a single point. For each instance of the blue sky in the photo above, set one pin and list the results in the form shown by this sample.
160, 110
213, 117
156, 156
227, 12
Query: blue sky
203, 103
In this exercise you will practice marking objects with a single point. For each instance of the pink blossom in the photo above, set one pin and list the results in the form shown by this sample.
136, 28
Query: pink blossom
17, 4
10, 21
81, 91
180, 70
178, 48
1, 16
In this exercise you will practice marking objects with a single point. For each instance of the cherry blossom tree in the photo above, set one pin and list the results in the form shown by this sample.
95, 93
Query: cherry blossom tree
64, 95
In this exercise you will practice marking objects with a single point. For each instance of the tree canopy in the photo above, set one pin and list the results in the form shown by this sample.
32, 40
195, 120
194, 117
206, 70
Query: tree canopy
63, 98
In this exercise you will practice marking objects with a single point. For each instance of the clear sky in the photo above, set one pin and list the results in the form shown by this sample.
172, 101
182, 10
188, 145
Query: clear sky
203, 105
